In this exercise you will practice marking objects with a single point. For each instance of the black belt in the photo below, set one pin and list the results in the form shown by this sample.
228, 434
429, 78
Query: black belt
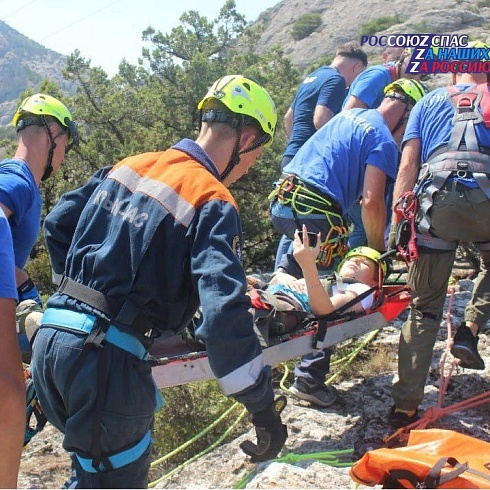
91, 297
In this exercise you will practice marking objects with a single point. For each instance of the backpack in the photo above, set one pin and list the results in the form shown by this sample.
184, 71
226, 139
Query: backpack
275, 315
433, 458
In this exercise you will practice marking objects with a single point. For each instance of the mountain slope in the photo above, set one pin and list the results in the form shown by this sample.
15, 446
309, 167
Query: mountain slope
343, 21
24, 63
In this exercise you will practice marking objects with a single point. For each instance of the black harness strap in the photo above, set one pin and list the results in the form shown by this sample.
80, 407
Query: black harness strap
461, 157
95, 340
129, 314
338, 314
83, 293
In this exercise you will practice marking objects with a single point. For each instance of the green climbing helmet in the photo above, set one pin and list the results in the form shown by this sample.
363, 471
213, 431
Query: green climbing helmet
369, 253
46, 105
482, 45
241, 95
405, 89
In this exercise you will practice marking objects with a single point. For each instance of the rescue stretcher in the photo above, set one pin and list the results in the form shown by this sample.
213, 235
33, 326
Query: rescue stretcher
176, 364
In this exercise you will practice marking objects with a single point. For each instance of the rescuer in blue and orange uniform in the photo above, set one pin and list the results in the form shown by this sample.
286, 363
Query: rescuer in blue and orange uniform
140, 247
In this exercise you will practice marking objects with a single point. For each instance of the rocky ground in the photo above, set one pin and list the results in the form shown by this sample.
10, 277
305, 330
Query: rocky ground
359, 414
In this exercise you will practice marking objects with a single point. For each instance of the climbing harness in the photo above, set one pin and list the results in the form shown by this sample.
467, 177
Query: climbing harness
304, 199
99, 332
406, 209
461, 158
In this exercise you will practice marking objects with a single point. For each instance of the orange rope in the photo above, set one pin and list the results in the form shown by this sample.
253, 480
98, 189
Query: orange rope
434, 413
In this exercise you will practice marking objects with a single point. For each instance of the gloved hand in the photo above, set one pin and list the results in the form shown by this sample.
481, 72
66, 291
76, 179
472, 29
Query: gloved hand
28, 290
271, 432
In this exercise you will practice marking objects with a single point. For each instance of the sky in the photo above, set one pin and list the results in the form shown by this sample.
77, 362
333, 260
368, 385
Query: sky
106, 31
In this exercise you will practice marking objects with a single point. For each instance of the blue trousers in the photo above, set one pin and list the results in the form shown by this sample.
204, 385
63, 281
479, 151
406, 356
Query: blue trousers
357, 236
127, 412
314, 366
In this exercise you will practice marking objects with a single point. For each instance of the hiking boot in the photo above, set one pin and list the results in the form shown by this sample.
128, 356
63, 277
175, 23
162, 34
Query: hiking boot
465, 349
318, 394
397, 420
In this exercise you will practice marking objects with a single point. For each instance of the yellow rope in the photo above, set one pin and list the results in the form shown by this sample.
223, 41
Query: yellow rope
345, 361
195, 438
204, 451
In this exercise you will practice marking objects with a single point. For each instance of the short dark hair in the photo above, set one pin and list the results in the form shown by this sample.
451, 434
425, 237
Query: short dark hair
353, 49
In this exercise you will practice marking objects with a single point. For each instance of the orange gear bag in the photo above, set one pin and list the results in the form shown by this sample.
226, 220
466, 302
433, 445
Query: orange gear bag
433, 458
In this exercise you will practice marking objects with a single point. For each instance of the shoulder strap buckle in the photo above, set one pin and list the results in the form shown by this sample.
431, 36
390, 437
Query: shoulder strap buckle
466, 106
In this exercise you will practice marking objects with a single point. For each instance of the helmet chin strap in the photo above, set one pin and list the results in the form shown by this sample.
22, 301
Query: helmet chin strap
235, 155
400, 121
48, 170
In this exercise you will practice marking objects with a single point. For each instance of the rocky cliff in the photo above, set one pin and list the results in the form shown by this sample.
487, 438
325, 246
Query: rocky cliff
343, 21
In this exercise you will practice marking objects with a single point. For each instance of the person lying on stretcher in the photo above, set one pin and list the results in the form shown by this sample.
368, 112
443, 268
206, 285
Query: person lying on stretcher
358, 272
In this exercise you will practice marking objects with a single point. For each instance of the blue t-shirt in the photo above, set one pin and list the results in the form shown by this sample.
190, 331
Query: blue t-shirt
20, 194
334, 159
326, 87
435, 110
8, 288
369, 85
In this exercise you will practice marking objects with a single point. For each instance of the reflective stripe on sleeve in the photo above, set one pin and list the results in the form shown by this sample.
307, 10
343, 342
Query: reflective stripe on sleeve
243, 377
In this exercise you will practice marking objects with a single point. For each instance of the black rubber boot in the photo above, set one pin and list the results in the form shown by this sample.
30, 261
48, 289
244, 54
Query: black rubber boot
466, 350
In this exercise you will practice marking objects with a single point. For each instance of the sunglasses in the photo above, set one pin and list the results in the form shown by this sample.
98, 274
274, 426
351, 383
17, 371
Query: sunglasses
73, 135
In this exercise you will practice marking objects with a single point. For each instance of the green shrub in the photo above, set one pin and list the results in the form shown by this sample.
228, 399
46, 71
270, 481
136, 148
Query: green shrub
379, 24
305, 25
39, 270
188, 410
324, 61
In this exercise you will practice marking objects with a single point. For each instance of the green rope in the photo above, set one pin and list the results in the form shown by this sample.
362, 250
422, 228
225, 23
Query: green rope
323, 457
336, 459
347, 360
195, 438
204, 451
344, 361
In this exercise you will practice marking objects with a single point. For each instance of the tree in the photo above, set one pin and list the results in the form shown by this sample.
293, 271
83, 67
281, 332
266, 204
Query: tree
150, 106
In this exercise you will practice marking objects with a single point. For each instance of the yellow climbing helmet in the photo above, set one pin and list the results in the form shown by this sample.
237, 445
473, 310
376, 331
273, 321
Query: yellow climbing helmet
241, 95
369, 253
46, 105
482, 45
405, 89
